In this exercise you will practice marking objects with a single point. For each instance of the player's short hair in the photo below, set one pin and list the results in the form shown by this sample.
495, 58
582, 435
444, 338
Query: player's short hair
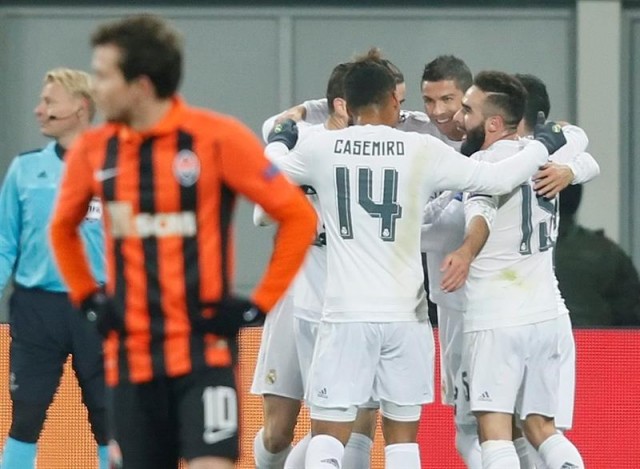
506, 96
375, 54
537, 99
448, 67
149, 46
76, 82
368, 82
335, 85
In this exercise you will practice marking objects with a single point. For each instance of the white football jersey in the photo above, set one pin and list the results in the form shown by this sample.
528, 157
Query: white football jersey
373, 182
511, 282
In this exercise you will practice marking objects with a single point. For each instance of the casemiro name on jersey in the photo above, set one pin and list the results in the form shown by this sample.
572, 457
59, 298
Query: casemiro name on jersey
369, 148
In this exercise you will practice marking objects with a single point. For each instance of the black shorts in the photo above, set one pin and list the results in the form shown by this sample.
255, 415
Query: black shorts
45, 329
191, 416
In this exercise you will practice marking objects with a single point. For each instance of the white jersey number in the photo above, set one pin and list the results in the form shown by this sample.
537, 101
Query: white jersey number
388, 210
220, 413
546, 228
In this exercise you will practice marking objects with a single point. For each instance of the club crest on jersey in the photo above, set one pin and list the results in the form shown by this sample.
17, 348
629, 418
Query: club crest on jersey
186, 168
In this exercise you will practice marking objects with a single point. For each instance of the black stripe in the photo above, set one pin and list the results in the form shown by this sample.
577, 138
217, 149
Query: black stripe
190, 256
227, 199
109, 192
150, 249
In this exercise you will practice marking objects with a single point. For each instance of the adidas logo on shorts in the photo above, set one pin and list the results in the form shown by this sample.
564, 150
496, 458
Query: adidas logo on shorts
332, 461
323, 393
485, 397
568, 465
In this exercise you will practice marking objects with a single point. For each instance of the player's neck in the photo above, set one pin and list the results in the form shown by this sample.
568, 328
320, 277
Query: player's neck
149, 113
336, 122
375, 115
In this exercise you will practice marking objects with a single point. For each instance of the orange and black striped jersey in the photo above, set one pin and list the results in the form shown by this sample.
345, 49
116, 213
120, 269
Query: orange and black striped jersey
168, 195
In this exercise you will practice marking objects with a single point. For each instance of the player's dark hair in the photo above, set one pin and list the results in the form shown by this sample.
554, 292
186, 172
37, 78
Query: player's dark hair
335, 85
375, 54
368, 82
537, 99
149, 47
506, 96
448, 67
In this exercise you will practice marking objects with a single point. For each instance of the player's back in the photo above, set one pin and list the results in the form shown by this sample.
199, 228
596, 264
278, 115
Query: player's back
511, 281
372, 190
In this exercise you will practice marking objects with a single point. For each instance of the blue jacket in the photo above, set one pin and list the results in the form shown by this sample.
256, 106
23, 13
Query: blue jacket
27, 199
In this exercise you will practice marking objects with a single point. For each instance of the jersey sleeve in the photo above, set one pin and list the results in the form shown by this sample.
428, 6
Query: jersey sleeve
317, 111
434, 208
267, 126
246, 170
454, 171
70, 210
10, 228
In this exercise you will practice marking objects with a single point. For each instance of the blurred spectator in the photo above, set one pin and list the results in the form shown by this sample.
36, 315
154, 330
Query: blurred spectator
597, 278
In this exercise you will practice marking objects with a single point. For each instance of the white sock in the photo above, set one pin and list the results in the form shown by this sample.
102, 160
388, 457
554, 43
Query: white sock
357, 452
265, 459
324, 452
535, 458
524, 450
468, 446
499, 454
558, 452
401, 456
298, 453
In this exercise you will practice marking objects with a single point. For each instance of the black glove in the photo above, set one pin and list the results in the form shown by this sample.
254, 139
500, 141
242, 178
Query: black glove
285, 132
230, 314
549, 134
98, 308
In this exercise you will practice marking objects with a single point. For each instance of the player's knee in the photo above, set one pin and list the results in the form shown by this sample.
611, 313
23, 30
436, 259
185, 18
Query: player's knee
537, 428
27, 420
98, 422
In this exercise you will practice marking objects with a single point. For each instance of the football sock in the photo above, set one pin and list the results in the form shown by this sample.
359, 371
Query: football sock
103, 457
357, 452
558, 452
499, 454
298, 453
468, 446
265, 459
18, 455
402, 456
324, 452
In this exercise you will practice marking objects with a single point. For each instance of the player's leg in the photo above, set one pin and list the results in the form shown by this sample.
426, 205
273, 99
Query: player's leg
277, 378
357, 451
208, 414
404, 382
540, 399
88, 365
494, 361
37, 354
334, 399
143, 424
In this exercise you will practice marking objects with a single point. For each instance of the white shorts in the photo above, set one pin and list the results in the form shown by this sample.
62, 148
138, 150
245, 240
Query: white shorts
514, 368
305, 337
354, 361
277, 369
566, 396
450, 338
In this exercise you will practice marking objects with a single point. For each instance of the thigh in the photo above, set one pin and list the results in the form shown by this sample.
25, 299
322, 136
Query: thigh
344, 364
208, 414
278, 370
88, 359
567, 387
405, 372
144, 426
38, 350
494, 362
450, 338
541, 385
306, 333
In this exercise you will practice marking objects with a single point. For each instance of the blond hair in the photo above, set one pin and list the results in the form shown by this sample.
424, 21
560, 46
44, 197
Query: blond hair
75, 82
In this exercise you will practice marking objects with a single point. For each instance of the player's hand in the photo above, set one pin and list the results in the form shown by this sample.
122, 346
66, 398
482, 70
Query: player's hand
296, 113
455, 270
99, 309
285, 132
229, 315
551, 179
549, 134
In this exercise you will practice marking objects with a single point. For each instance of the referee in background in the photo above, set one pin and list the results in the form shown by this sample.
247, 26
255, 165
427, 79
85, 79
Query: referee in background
44, 326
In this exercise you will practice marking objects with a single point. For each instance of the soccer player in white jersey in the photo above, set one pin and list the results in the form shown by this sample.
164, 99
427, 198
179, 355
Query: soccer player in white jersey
286, 348
566, 167
510, 356
373, 182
